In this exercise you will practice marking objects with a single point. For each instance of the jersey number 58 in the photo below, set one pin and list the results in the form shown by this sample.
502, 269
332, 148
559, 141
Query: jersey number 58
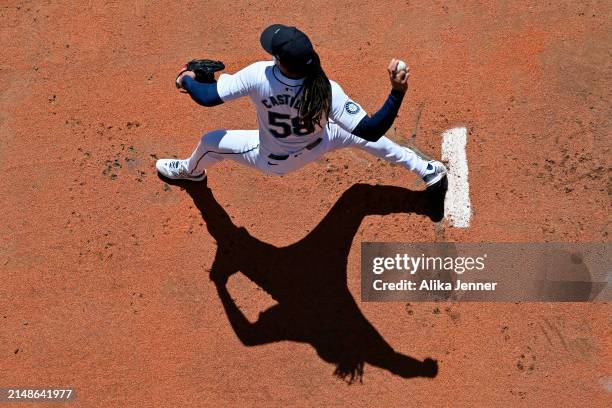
285, 125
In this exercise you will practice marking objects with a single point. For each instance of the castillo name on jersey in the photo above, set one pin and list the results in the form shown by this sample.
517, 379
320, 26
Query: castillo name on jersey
282, 99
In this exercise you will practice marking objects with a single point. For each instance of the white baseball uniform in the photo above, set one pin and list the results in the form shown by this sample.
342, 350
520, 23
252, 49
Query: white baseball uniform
281, 145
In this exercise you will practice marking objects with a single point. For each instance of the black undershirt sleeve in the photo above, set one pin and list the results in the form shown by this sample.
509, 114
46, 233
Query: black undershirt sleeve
205, 94
372, 128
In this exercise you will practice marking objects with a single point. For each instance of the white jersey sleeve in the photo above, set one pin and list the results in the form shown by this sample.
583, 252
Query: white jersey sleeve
242, 83
345, 112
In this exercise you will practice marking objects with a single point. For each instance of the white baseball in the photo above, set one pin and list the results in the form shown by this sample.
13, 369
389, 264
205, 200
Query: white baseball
401, 66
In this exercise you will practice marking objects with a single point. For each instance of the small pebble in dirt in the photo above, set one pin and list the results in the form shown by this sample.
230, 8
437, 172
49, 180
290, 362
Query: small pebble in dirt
409, 309
166, 187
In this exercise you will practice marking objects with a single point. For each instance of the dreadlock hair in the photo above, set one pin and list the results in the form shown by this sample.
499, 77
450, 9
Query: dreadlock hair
316, 97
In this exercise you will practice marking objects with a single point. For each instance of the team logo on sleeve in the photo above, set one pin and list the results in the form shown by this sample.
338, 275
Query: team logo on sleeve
351, 108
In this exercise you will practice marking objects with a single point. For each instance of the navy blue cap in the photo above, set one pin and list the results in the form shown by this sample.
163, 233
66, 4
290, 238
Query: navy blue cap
291, 47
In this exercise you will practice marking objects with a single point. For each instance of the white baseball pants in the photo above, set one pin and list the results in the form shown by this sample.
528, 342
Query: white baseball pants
243, 146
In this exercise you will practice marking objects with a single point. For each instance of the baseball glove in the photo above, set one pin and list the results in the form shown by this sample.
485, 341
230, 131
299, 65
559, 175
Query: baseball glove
204, 70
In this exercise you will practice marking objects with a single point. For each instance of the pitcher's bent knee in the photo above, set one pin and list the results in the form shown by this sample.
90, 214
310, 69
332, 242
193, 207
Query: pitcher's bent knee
213, 138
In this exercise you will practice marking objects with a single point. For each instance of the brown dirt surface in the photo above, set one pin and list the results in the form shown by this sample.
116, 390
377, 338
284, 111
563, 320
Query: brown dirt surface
105, 268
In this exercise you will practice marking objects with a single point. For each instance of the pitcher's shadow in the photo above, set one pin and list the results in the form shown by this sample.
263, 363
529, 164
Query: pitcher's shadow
308, 279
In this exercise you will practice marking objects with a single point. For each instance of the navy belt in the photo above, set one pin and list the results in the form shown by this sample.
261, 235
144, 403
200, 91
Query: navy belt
286, 156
